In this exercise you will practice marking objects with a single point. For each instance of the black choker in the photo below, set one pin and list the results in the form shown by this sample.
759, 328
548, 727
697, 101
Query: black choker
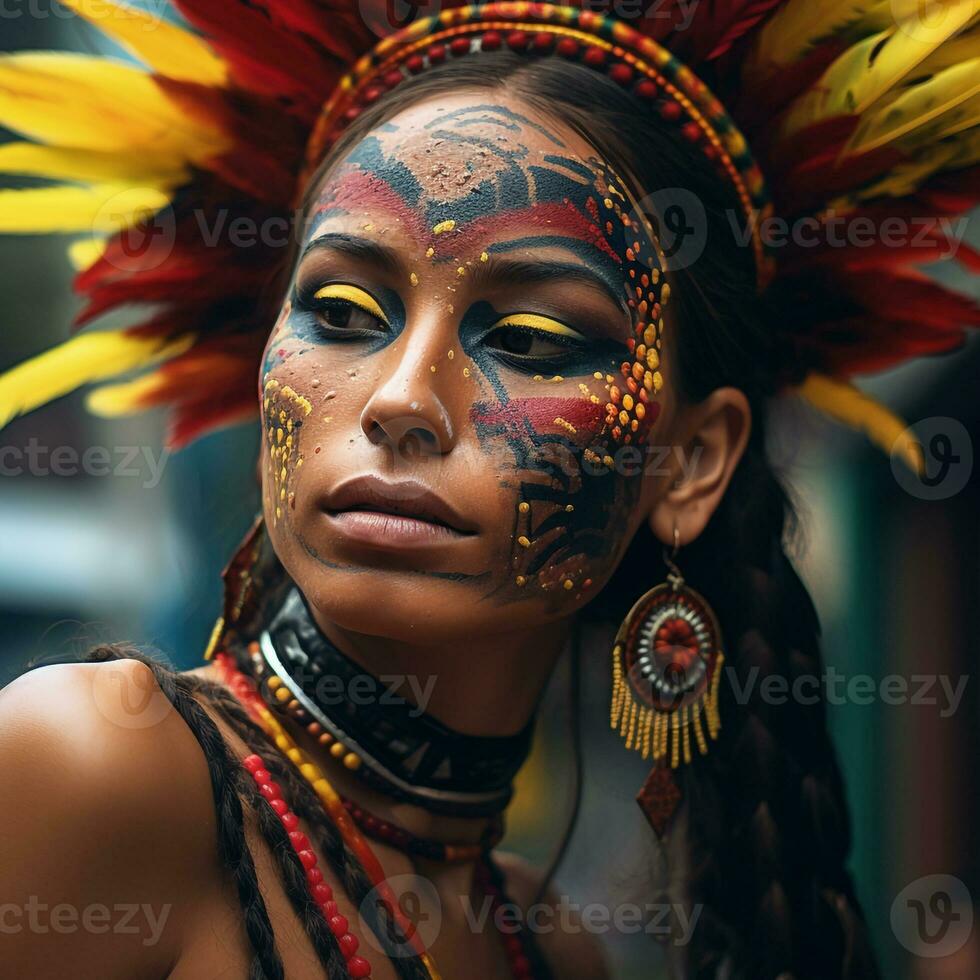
401, 750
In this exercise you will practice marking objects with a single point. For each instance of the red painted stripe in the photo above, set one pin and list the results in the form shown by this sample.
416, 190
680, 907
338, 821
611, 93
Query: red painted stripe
540, 414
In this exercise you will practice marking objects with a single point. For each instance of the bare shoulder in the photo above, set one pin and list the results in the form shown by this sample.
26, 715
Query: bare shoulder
572, 950
109, 812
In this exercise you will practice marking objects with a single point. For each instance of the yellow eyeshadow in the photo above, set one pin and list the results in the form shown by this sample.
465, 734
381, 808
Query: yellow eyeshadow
353, 295
544, 324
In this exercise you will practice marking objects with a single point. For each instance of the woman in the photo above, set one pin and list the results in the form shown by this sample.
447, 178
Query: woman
478, 342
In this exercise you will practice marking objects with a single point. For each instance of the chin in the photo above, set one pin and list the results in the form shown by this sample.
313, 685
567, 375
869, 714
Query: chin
396, 605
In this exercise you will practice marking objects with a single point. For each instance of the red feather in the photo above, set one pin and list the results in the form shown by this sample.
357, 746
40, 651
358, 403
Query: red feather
715, 25
269, 143
264, 57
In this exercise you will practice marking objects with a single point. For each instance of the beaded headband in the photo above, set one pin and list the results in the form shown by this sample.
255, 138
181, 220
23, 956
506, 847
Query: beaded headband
633, 61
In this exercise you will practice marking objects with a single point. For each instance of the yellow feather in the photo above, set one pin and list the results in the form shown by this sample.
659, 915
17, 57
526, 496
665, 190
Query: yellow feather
955, 51
111, 401
100, 208
60, 163
829, 96
85, 252
100, 104
911, 43
795, 28
88, 357
921, 104
907, 177
845, 403
871, 68
166, 48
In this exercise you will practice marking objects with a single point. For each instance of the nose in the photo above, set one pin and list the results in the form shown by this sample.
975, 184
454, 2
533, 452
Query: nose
409, 410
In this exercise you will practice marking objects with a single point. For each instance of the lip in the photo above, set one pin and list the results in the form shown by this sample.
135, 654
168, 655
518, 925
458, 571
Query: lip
378, 512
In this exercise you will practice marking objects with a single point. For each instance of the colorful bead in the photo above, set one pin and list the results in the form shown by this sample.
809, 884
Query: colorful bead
621, 74
358, 967
332, 803
320, 891
594, 57
543, 42
691, 131
568, 47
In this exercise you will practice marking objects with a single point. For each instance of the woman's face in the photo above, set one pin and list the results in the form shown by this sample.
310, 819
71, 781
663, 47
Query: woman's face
463, 388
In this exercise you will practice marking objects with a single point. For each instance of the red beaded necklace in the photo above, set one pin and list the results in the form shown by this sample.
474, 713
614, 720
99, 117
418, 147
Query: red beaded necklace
386, 832
516, 945
358, 967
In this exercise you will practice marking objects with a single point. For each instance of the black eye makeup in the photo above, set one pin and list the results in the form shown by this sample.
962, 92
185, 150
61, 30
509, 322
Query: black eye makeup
330, 304
531, 339
343, 308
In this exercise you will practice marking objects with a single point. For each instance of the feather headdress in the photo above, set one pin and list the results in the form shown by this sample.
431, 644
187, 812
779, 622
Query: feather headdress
819, 110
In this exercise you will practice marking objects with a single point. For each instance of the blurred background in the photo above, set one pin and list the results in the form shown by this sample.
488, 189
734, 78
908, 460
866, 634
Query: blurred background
135, 554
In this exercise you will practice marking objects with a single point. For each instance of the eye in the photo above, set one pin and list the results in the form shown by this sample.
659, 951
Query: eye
341, 306
533, 337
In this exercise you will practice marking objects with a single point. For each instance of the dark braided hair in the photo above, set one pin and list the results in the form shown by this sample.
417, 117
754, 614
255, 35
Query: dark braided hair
768, 824
308, 807
231, 786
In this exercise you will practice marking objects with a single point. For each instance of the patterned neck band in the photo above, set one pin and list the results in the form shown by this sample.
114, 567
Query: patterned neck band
604, 44
386, 741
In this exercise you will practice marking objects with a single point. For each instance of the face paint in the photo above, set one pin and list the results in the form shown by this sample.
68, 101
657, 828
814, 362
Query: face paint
285, 412
430, 219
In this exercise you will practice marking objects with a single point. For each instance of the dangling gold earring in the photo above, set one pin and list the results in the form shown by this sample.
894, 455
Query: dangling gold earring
667, 662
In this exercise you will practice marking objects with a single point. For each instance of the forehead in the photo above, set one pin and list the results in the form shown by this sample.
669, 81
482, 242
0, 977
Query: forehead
472, 171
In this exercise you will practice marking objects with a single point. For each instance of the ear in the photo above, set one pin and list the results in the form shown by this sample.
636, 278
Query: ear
713, 436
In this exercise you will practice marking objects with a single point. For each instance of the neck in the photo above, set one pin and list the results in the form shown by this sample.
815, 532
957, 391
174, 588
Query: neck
486, 686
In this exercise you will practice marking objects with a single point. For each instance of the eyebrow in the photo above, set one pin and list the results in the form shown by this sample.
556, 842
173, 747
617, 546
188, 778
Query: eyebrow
498, 269
355, 247
517, 272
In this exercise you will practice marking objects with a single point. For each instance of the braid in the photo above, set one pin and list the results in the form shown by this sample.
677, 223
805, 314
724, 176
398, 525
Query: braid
227, 786
768, 819
306, 804
291, 871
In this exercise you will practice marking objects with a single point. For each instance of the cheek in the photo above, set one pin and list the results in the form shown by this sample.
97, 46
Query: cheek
570, 507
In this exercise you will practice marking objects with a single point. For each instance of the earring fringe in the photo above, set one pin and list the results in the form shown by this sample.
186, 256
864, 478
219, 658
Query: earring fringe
664, 735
